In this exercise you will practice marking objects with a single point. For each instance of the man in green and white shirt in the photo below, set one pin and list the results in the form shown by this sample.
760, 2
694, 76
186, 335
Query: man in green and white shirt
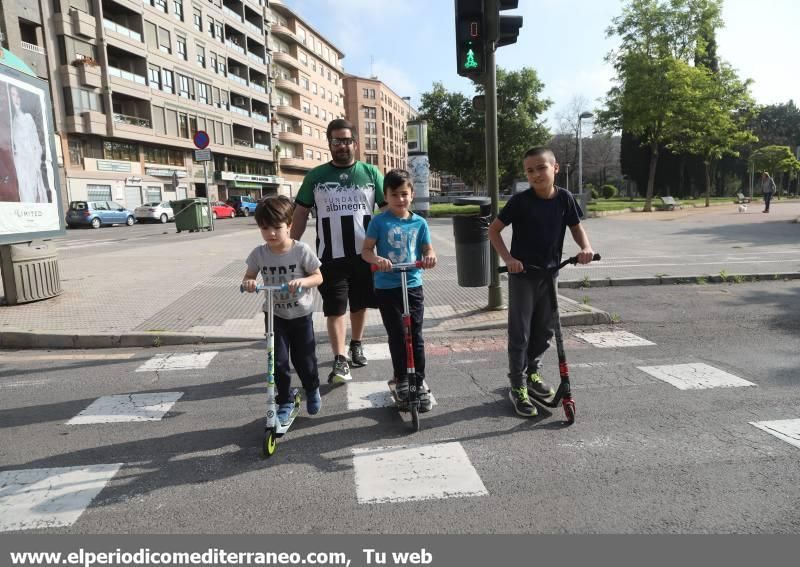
345, 193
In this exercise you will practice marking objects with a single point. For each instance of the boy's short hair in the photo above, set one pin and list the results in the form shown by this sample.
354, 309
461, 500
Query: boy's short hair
273, 211
395, 179
341, 124
539, 151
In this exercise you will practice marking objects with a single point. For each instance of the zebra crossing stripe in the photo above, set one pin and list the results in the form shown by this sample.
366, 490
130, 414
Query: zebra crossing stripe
614, 339
372, 394
48, 498
177, 361
695, 376
784, 429
129, 407
415, 472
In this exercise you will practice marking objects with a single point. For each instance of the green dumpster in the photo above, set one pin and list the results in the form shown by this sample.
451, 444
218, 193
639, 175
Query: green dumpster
191, 214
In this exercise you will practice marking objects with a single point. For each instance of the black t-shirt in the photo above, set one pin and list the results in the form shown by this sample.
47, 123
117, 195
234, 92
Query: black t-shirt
539, 225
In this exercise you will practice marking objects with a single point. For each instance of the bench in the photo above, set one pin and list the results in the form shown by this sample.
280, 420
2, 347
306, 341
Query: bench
741, 198
668, 204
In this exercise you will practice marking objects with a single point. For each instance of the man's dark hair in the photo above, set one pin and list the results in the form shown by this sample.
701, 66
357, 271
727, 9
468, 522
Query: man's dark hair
273, 211
539, 151
395, 179
340, 124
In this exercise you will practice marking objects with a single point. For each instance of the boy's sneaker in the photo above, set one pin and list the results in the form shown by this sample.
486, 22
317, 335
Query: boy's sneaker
285, 412
313, 401
522, 405
341, 371
424, 397
356, 354
401, 388
538, 388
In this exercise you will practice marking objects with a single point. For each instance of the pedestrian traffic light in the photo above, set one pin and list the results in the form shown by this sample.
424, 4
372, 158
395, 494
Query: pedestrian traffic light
470, 43
507, 26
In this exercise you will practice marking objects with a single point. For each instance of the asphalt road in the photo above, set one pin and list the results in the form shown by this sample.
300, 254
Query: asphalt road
642, 457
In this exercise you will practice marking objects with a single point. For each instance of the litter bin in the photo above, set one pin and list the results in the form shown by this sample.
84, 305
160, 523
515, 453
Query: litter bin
583, 201
471, 234
191, 214
30, 272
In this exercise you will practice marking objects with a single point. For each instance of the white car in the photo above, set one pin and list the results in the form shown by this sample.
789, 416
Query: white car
161, 212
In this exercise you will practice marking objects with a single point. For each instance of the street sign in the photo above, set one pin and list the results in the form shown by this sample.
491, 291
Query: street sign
201, 139
202, 155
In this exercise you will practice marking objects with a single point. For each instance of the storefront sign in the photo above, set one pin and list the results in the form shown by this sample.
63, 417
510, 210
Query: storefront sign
162, 172
231, 176
110, 165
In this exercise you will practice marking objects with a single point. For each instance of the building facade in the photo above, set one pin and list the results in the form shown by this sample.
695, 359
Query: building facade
308, 94
380, 117
133, 80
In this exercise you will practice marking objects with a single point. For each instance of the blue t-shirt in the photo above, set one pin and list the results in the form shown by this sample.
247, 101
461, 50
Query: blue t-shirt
401, 241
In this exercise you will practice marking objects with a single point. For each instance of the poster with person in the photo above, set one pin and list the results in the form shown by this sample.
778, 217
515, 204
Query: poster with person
30, 205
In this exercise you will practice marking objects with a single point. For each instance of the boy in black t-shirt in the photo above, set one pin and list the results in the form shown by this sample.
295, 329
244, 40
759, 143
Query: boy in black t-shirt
540, 216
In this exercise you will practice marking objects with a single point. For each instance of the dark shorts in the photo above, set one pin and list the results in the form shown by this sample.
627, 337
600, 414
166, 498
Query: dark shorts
346, 280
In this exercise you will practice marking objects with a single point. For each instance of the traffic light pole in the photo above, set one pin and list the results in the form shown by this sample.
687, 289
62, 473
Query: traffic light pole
492, 171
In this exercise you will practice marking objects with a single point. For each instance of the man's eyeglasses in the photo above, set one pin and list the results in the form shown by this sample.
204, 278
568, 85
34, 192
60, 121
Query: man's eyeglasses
342, 141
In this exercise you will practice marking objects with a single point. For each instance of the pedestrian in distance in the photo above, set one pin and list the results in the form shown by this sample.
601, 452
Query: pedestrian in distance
767, 189
539, 217
283, 260
344, 193
400, 236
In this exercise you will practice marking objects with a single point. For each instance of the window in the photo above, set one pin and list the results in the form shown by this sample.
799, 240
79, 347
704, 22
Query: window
306, 107
197, 19
75, 151
167, 85
304, 82
372, 93
212, 61
183, 125
185, 86
177, 10
122, 151
309, 154
154, 75
181, 44
164, 43
81, 100
98, 192
202, 92
161, 4
218, 32
201, 55
365, 93
153, 194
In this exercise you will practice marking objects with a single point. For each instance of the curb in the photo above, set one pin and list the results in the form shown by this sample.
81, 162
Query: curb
667, 280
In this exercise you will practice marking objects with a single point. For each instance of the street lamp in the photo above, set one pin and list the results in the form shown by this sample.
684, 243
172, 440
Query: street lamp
580, 150
567, 166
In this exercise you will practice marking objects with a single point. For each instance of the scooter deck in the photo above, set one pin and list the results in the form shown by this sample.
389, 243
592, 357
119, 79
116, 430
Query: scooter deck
281, 429
403, 405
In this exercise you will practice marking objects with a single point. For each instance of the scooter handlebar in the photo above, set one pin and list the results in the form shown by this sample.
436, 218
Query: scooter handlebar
261, 287
572, 260
400, 267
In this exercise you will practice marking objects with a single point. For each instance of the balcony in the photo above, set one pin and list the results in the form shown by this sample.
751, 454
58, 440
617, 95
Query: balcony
258, 87
298, 163
127, 75
290, 85
82, 23
139, 121
242, 142
287, 59
257, 58
237, 79
291, 111
283, 31
291, 137
232, 14
239, 110
90, 76
253, 28
121, 30
231, 44
33, 48
260, 116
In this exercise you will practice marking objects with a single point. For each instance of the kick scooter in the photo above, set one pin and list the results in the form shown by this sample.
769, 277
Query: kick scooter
412, 404
273, 428
563, 393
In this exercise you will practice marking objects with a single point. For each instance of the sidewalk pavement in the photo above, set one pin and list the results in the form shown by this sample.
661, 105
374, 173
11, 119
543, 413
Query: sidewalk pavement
184, 289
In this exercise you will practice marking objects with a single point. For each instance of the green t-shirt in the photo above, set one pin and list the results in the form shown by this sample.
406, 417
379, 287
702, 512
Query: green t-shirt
345, 199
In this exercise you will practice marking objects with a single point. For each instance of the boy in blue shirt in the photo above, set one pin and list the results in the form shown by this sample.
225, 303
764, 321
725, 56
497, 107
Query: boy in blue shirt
401, 237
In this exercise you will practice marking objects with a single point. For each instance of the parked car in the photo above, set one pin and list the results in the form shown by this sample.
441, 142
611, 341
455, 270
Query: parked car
221, 210
98, 213
244, 205
161, 212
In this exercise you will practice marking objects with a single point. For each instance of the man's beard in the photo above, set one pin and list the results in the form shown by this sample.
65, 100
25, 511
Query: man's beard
343, 158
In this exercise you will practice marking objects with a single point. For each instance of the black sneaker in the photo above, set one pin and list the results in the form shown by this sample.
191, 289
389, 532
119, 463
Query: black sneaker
522, 405
401, 388
424, 397
356, 354
538, 388
341, 371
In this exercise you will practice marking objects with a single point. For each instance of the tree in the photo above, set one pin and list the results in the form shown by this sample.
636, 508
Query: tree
714, 124
456, 132
776, 159
658, 39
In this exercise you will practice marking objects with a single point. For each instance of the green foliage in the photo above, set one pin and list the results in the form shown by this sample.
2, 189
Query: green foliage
723, 275
609, 191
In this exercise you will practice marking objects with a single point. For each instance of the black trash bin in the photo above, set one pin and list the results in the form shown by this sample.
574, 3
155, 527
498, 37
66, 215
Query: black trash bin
471, 234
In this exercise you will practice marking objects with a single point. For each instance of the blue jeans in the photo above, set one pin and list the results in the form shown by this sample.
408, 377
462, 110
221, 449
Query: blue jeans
294, 338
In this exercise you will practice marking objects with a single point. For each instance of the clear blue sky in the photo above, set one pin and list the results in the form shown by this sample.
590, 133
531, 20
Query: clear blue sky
409, 44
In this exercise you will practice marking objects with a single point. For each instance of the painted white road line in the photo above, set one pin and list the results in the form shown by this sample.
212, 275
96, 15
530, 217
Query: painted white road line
129, 407
49, 498
695, 376
177, 361
614, 339
784, 429
377, 351
372, 394
17, 357
422, 472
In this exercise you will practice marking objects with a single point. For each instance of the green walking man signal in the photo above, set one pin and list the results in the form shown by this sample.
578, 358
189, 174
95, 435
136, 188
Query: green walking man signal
480, 27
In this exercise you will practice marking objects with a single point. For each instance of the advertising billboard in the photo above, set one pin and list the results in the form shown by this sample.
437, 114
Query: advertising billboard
30, 199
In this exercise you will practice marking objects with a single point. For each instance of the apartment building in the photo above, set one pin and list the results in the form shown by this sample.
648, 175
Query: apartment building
380, 116
308, 94
133, 80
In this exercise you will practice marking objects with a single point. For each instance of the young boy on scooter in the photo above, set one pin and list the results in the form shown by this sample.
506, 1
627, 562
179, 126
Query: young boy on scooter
540, 216
285, 261
401, 236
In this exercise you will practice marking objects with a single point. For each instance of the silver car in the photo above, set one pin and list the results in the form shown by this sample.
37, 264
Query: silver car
161, 212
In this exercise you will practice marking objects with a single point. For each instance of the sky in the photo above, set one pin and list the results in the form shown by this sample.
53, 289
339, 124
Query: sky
410, 44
